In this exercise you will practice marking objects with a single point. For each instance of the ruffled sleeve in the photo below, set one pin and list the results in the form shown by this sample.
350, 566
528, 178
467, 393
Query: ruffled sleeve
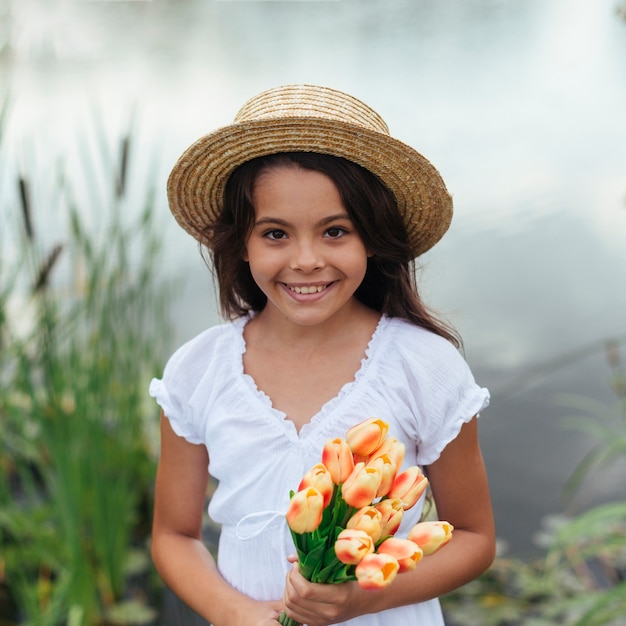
182, 377
436, 388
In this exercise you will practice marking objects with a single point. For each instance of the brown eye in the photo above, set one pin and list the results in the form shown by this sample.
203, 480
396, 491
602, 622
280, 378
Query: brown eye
275, 234
335, 232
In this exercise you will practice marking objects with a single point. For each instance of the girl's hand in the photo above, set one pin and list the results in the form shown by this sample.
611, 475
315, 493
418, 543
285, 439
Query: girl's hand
255, 613
319, 604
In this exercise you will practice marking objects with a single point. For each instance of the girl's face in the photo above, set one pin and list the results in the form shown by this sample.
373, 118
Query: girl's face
304, 251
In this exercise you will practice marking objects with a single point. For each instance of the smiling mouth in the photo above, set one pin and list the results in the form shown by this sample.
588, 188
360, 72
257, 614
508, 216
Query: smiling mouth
307, 289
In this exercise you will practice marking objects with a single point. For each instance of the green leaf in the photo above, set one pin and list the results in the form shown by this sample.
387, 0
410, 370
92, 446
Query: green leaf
330, 556
343, 574
607, 607
312, 561
593, 523
326, 573
300, 542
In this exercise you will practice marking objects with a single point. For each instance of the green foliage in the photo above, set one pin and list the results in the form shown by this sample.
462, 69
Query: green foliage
581, 578
76, 464
604, 424
579, 582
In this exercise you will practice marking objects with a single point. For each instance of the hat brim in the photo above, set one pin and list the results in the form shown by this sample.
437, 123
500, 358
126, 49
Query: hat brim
196, 184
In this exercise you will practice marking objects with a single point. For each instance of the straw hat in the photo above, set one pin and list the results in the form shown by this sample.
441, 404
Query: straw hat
307, 118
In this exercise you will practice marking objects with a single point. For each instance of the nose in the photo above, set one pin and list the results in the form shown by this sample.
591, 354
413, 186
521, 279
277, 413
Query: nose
307, 257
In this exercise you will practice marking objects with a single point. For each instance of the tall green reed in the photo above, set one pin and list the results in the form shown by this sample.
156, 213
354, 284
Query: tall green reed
76, 467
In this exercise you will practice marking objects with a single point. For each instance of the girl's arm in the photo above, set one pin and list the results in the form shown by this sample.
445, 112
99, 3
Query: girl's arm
459, 484
178, 552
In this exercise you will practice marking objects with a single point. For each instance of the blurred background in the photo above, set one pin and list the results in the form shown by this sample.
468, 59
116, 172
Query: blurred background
520, 105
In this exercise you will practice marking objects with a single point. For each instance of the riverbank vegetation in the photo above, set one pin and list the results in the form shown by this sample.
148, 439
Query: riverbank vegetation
580, 577
81, 328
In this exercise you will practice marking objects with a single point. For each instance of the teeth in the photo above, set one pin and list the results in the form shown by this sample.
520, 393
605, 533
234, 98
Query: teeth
305, 289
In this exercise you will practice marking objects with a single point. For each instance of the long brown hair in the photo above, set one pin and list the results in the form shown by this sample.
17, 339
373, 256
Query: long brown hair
389, 285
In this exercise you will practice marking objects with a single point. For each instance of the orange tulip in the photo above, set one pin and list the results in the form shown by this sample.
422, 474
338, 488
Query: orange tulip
369, 520
391, 511
305, 510
393, 448
367, 436
376, 571
338, 459
407, 553
430, 536
361, 486
352, 545
409, 486
387, 473
319, 478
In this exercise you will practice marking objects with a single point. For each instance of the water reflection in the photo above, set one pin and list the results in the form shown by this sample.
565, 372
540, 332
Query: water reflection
519, 104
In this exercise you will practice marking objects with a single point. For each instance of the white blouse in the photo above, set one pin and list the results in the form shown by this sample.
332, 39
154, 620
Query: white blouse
411, 378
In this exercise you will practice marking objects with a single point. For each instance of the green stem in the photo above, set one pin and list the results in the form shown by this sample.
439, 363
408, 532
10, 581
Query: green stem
336, 506
287, 621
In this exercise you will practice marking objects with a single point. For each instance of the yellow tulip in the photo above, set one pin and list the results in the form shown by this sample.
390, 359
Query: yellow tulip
361, 486
409, 486
319, 478
393, 448
387, 473
367, 436
369, 520
430, 536
391, 511
376, 571
338, 459
352, 545
407, 553
305, 510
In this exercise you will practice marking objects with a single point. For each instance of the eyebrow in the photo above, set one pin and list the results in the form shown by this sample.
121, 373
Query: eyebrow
322, 222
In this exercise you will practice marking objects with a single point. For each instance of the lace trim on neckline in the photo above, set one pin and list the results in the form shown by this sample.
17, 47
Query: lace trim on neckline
330, 406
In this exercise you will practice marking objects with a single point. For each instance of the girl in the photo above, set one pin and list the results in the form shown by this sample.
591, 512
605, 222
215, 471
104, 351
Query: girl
312, 215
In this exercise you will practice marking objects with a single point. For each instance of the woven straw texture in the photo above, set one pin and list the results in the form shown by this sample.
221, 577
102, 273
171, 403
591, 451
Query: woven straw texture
307, 118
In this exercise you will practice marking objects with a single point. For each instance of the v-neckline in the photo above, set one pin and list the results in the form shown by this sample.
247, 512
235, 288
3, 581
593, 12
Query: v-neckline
329, 407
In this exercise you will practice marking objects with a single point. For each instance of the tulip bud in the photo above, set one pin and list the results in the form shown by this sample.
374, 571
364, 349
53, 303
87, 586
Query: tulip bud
365, 437
376, 571
361, 486
369, 520
387, 473
430, 536
409, 486
338, 459
319, 478
305, 510
352, 545
407, 553
391, 511
393, 448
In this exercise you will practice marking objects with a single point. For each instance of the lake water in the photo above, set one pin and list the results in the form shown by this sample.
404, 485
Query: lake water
519, 104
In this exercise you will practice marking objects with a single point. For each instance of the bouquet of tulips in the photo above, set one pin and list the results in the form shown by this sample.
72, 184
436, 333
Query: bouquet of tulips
347, 509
